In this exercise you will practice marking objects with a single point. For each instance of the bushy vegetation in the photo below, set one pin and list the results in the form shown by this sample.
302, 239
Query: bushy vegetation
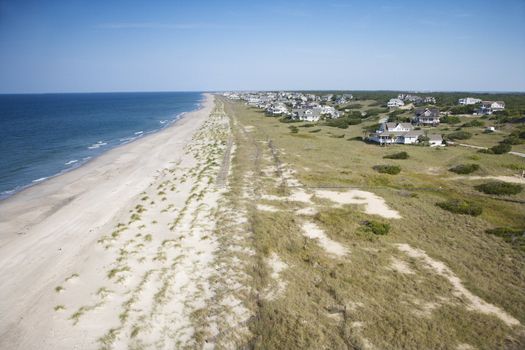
464, 168
343, 122
514, 236
474, 123
450, 119
459, 135
399, 155
499, 188
293, 129
460, 206
375, 111
467, 109
376, 227
501, 148
387, 169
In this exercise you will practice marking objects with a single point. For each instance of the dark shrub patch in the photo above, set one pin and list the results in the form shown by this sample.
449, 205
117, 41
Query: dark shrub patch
473, 123
460, 206
512, 140
464, 168
501, 148
400, 155
376, 227
450, 119
387, 169
514, 236
459, 135
499, 188
341, 123
314, 131
293, 129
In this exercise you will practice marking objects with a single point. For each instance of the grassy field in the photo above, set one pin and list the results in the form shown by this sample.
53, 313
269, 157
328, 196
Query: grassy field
376, 296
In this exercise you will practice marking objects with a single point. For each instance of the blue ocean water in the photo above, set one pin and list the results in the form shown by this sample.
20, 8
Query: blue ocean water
42, 135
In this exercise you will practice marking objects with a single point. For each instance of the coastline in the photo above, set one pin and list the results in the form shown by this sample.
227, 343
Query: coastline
51, 226
122, 141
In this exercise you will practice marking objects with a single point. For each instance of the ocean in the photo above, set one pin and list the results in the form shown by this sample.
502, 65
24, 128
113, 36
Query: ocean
43, 135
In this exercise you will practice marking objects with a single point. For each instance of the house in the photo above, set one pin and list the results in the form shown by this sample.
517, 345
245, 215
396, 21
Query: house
277, 109
306, 114
428, 117
395, 102
435, 140
489, 107
390, 133
468, 101
417, 99
429, 100
315, 113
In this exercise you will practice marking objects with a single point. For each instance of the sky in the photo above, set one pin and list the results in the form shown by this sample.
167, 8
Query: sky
99, 46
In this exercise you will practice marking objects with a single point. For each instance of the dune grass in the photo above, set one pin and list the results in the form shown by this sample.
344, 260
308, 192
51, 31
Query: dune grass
359, 300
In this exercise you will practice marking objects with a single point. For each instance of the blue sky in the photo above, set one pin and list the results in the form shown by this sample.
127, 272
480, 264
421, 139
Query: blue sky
85, 46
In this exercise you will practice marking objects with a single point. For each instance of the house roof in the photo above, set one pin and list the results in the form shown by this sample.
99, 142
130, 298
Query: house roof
403, 125
427, 112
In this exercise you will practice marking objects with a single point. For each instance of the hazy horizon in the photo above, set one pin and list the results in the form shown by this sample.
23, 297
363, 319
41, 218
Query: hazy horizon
439, 46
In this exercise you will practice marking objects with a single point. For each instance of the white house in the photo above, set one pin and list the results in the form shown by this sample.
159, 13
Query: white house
395, 102
469, 101
277, 109
390, 133
488, 107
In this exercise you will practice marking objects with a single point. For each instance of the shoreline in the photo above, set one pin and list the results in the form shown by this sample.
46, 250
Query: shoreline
78, 163
49, 186
53, 230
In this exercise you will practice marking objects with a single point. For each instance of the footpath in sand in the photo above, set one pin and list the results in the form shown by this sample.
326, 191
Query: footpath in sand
124, 252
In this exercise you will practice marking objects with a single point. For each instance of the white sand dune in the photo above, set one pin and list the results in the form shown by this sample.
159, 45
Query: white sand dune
373, 203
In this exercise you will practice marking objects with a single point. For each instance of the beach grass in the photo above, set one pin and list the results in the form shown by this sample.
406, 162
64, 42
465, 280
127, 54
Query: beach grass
362, 300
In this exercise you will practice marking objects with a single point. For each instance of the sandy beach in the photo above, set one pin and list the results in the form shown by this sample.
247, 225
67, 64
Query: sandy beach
117, 252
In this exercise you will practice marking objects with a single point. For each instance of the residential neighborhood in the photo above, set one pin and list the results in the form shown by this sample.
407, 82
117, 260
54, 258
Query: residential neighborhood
317, 107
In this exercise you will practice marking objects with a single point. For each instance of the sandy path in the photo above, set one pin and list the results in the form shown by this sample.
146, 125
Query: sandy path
475, 303
119, 252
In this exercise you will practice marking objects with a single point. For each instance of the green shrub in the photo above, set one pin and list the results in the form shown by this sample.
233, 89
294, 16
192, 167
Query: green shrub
387, 169
459, 206
512, 140
499, 188
450, 119
459, 135
474, 123
400, 155
314, 131
293, 129
514, 236
341, 123
501, 148
376, 227
464, 168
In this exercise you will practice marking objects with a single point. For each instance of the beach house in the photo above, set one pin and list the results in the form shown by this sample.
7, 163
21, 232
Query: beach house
394, 103
427, 117
489, 107
400, 133
469, 101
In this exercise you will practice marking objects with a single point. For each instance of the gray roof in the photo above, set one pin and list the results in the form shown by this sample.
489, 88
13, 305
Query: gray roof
427, 112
